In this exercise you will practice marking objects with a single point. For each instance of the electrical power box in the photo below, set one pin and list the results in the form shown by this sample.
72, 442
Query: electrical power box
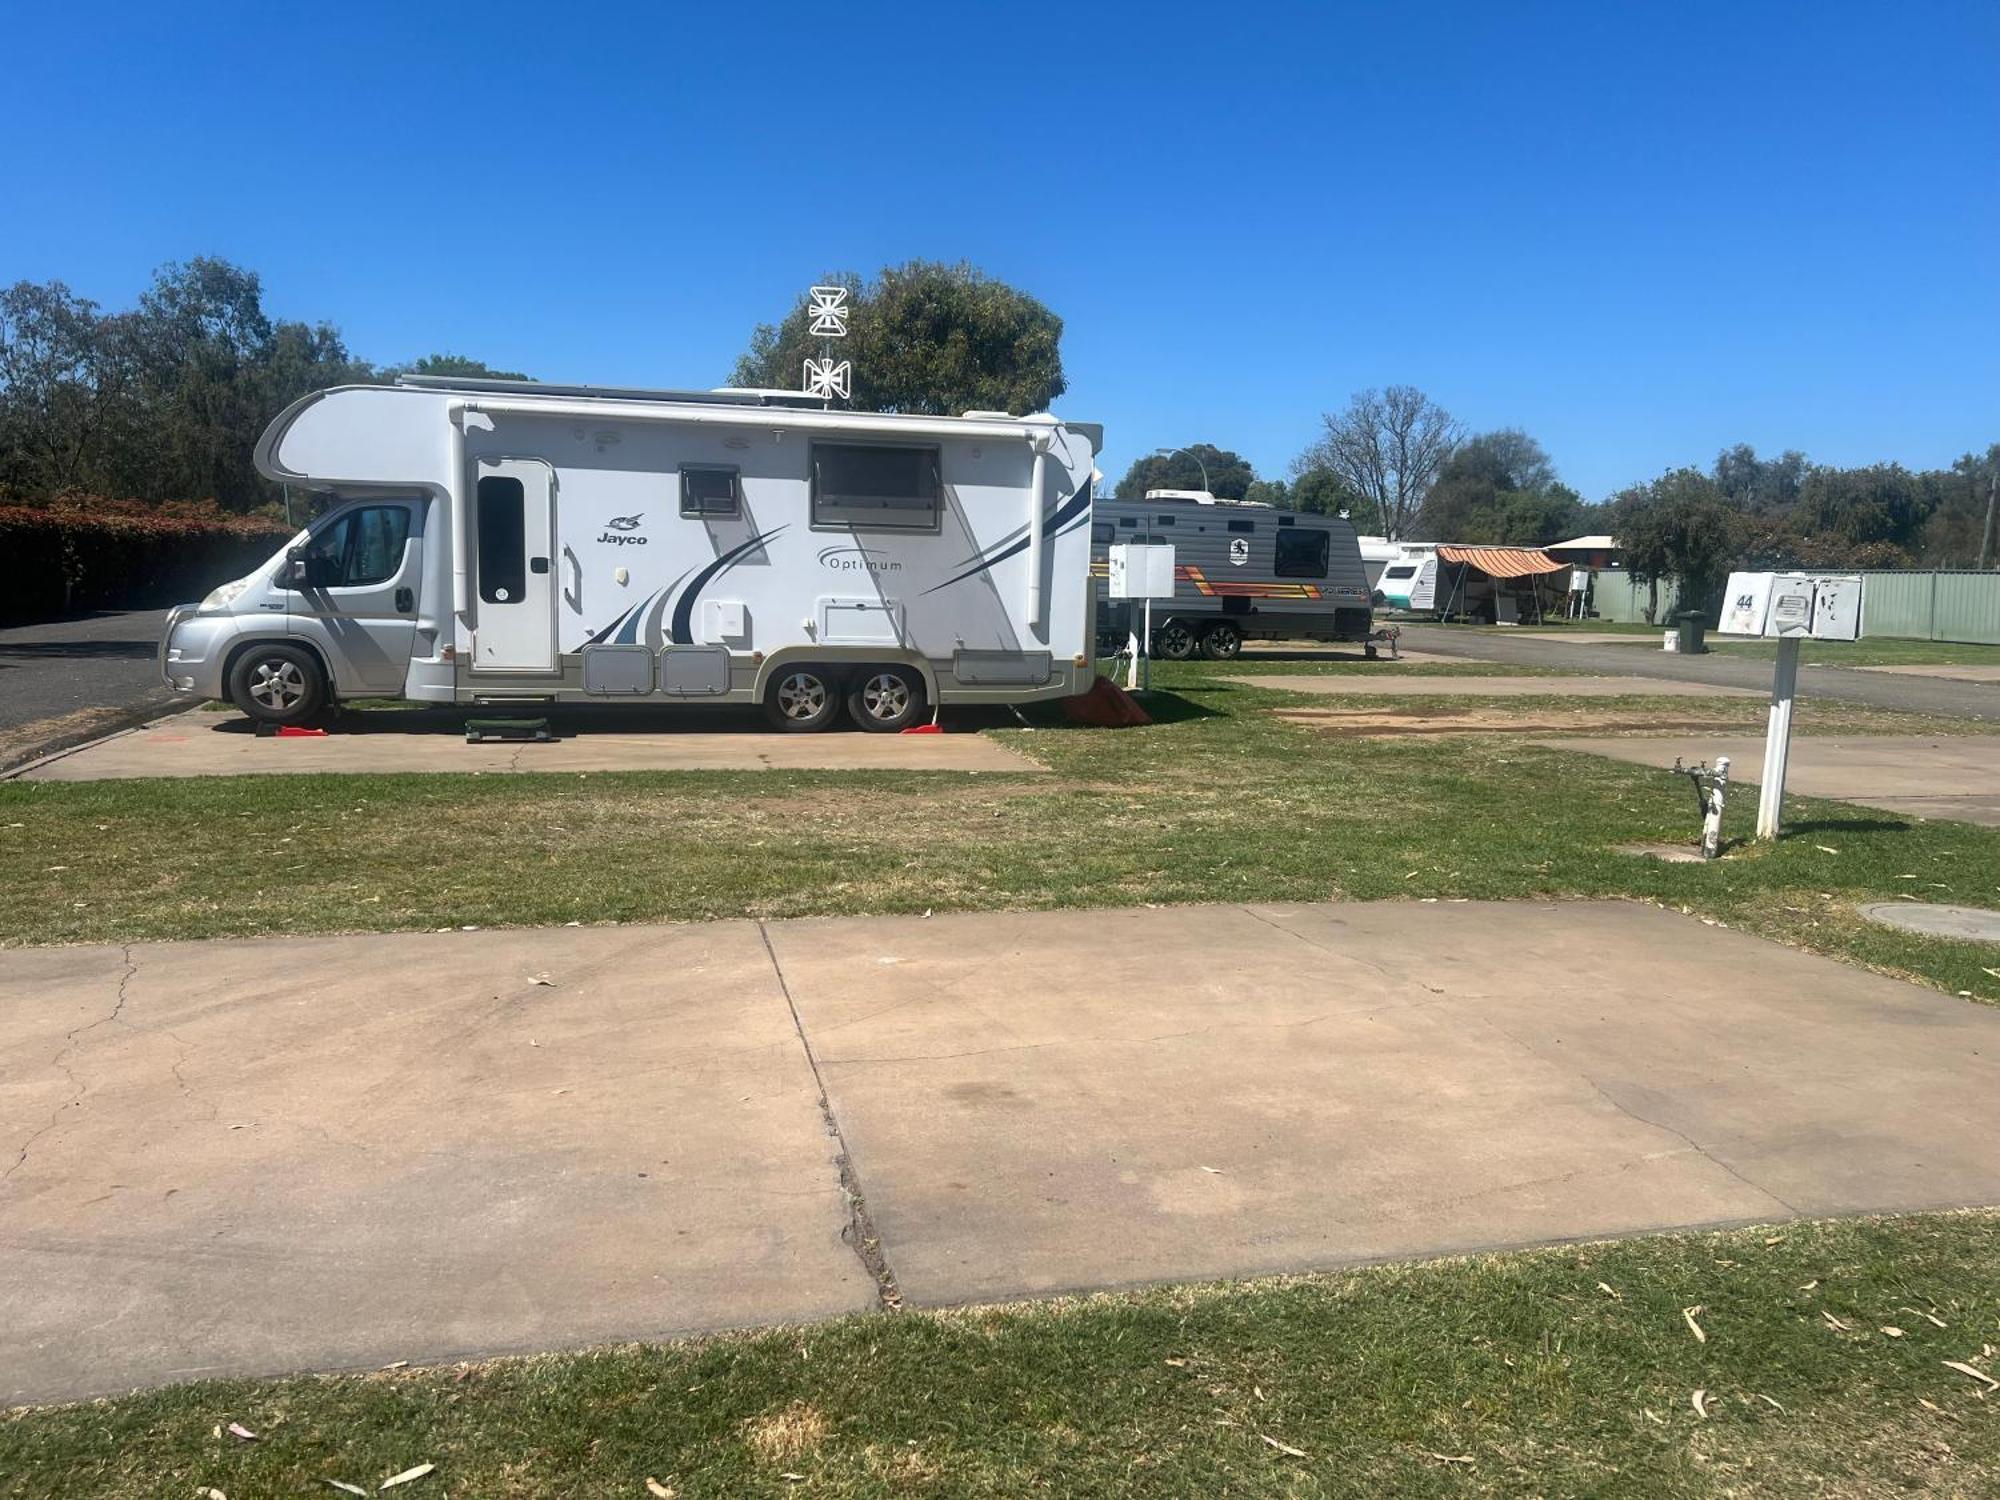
1142, 570
1792, 604
1836, 609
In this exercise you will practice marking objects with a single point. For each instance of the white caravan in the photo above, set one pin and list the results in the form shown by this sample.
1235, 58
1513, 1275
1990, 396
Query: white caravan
508, 543
1410, 583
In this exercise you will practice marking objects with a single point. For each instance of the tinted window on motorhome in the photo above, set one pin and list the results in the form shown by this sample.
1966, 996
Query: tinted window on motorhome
1404, 570
710, 492
1132, 521
1242, 525
362, 547
503, 540
883, 489
1302, 553
1163, 520
1102, 531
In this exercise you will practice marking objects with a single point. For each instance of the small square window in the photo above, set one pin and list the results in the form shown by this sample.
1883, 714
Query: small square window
1163, 520
710, 492
1131, 522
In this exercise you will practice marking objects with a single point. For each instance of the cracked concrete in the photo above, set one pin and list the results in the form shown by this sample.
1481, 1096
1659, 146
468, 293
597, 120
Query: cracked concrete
247, 1157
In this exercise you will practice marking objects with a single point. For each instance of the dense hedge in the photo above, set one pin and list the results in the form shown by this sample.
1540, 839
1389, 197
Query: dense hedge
84, 552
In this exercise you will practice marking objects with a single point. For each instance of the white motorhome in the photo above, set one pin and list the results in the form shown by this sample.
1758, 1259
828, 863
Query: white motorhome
509, 543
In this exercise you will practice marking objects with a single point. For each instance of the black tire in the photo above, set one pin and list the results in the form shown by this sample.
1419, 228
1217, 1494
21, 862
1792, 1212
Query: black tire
802, 698
1174, 641
886, 700
1221, 641
278, 684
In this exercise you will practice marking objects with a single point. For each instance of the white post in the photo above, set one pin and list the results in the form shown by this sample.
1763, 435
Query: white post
1778, 737
1146, 650
1132, 646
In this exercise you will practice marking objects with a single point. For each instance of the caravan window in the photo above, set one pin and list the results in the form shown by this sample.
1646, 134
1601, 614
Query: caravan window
710, 491
1243, 526
503, 539
1302, 553
1402, 570
876, 488
1102, 532
362, 547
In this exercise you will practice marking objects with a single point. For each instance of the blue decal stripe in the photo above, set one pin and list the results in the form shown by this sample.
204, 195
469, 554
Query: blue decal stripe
1073, 509
683, 630
628, 633
605, 634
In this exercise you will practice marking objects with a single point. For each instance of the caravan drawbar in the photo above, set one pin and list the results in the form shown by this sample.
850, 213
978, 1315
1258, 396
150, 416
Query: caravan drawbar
1242, 571
509, 543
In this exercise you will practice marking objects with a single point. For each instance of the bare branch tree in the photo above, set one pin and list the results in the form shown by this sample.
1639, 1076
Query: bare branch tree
1390, 446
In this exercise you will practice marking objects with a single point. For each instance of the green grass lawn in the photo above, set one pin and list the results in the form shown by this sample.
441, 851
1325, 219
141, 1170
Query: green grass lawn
1868, 653
1574, 1371
1219, 801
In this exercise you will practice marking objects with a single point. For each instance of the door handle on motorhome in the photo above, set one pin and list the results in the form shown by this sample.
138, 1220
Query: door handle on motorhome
574, 598
406, 601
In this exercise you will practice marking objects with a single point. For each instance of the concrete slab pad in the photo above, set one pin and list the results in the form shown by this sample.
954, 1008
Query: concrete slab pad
1958, 672
248, 1157
1037, 1102
1356, 684
1925, 776
224, 744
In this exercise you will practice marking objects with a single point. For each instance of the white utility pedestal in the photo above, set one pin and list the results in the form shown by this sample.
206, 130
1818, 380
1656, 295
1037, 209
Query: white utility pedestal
1787, 607
1141, 570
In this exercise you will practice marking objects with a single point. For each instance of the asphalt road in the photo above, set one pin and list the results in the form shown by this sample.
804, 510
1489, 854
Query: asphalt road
1903, 692
102, 660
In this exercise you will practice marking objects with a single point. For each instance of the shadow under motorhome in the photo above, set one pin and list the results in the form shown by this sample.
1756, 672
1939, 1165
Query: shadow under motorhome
1241, 572
502, 542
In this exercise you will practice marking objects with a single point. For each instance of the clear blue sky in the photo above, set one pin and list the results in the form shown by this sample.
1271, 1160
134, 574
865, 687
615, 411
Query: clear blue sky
1639, 232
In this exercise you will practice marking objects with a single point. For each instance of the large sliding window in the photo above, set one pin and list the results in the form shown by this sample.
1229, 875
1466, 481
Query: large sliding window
876, 487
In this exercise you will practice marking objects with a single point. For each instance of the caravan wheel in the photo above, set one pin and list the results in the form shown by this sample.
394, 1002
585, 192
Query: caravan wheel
802, 699
1174, 641
1221, 642
886, 699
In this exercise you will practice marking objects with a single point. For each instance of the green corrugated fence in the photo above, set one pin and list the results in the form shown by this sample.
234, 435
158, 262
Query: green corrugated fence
1957, 605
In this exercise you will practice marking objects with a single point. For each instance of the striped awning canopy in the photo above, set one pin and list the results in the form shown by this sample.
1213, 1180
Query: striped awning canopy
1503, 562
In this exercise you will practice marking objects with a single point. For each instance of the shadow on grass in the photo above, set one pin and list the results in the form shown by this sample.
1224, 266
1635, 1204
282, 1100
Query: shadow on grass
1844, 825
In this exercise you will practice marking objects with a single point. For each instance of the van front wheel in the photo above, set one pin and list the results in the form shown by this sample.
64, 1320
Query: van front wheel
1221, 642
277, 684
1174, 641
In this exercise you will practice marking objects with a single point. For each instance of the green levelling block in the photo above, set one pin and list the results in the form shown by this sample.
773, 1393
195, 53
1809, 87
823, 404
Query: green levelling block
478, 730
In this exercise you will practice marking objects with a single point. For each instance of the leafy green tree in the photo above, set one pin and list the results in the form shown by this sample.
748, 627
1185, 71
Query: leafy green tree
1500, 487
455, 364
1761, 486
1228, 475
924, 338
1325, 493
1882, 503
61, 383
1272, 492
1680, 527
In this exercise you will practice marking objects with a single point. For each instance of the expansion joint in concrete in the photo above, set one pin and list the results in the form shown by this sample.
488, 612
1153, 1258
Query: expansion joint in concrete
860, 1231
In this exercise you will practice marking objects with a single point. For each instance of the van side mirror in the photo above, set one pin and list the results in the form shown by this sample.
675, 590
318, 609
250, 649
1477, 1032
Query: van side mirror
296, 570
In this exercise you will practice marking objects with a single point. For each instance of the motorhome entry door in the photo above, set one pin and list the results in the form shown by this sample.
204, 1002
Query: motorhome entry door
513, 537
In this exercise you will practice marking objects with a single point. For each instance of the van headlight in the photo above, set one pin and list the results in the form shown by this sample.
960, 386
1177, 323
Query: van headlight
221, 598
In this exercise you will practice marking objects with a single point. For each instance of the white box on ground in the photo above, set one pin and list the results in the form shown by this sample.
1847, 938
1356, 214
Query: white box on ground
1142, 570
1836, 614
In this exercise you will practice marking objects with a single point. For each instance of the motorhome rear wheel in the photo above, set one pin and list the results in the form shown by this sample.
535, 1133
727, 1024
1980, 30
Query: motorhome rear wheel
1221, 641
885, 699
278, 684
1174, 641
802, 699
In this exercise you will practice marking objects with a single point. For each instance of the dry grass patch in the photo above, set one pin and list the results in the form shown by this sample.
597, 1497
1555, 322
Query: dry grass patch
794, 1431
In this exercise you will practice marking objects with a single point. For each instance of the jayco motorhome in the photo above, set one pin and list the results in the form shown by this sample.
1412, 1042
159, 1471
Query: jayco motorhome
1242, 571
503, 542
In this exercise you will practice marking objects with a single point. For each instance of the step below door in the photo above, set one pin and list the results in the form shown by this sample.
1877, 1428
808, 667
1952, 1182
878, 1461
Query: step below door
513, 538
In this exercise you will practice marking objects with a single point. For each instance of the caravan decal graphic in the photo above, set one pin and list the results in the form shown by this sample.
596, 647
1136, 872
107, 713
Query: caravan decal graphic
1211, 588
1070, 514
683, 628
